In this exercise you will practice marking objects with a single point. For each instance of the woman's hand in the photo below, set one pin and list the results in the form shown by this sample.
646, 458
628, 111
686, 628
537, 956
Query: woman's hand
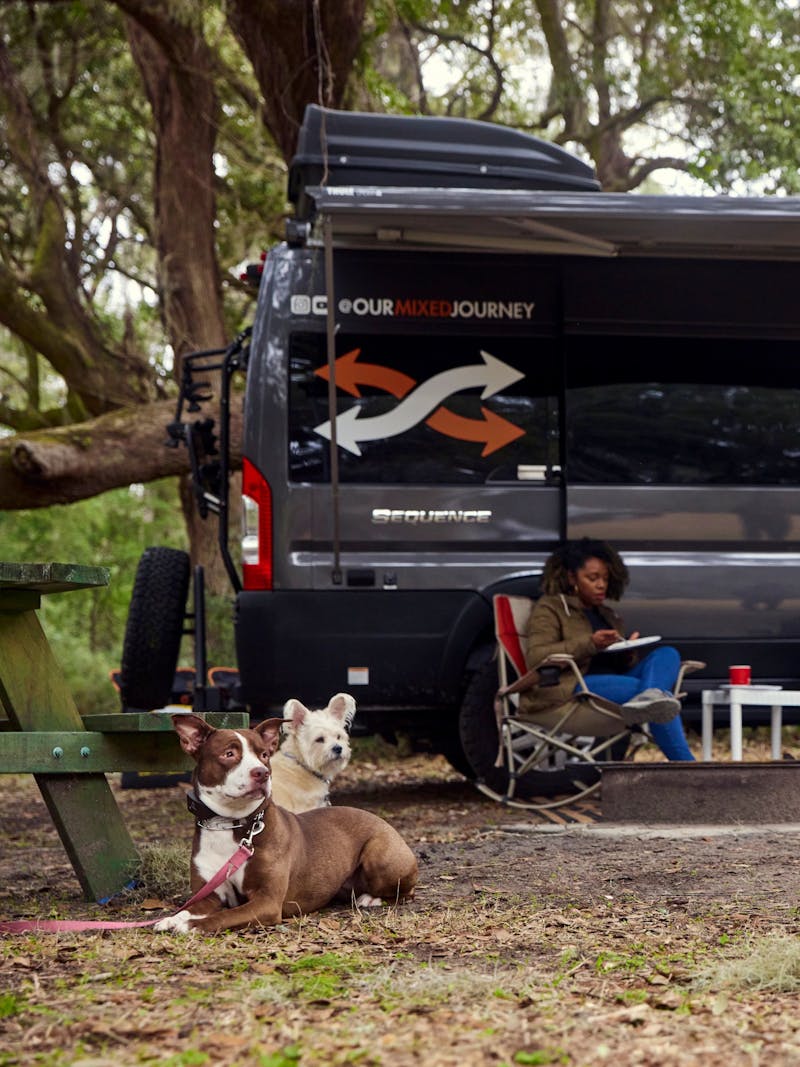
603, 638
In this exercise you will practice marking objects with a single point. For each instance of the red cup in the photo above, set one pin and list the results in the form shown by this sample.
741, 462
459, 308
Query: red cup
739, 675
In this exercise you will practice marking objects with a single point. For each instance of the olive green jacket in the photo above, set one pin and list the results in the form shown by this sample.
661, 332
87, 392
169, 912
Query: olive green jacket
559, 624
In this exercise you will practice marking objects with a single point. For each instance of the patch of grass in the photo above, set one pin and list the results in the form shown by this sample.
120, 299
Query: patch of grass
541, 1056
770, 963
632, 996
286, 1057
10, 1004
326, 976
630, 962
189, 1058
163, 870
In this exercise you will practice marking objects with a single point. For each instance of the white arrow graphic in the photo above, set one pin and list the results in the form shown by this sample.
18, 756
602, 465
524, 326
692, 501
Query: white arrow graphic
492, 374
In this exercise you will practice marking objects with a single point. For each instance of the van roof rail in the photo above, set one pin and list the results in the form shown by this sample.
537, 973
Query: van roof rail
425, 151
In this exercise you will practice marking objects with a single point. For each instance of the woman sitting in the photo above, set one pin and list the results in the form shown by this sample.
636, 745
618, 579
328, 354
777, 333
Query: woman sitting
572, 617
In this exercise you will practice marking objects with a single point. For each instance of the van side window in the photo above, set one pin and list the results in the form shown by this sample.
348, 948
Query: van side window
683, 412
413, 411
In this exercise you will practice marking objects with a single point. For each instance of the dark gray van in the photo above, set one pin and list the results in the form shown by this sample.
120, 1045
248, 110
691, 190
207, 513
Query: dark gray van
463, 353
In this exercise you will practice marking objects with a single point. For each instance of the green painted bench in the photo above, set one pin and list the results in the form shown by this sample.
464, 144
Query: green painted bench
69, 754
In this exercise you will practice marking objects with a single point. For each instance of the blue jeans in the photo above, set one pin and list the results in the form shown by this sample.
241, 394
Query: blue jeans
657, 670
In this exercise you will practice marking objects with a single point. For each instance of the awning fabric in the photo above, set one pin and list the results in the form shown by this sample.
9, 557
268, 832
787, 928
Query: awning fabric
558, 223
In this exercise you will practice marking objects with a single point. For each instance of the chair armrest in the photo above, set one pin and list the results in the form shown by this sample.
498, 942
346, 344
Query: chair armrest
687, 667
565, 661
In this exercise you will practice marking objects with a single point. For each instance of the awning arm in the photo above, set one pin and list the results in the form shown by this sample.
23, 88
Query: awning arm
327, 232
582, 240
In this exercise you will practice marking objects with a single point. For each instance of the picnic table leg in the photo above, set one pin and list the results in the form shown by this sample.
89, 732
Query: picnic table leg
35, 695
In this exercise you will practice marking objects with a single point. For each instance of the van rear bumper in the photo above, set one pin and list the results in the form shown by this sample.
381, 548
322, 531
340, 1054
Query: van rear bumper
395, 651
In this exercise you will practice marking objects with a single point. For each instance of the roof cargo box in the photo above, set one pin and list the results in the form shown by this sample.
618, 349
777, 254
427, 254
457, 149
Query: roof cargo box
355, 148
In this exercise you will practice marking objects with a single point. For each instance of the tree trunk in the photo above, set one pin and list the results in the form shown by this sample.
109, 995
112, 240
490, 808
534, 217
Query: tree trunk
302, 53
177, 68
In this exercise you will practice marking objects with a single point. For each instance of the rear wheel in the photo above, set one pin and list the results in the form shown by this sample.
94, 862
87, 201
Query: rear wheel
154, 628
449, 745
556, 774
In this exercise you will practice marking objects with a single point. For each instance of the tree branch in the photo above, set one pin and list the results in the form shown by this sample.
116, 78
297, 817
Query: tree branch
640, 172
64, 333
566, 96
75, 462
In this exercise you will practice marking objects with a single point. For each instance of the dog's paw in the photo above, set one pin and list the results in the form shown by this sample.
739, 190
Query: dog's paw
176, 924
366, 901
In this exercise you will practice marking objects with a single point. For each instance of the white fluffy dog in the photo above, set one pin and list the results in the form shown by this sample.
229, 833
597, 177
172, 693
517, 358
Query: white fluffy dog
315, 749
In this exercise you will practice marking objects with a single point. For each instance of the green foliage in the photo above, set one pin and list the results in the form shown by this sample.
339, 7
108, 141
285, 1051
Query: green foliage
93, 128
741, 59
714, 85
86, 627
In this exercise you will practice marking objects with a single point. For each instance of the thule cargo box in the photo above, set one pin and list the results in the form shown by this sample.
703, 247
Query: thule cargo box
354, 148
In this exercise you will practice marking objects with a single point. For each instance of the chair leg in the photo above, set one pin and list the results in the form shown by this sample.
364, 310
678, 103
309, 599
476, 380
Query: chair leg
513, 732
532, 804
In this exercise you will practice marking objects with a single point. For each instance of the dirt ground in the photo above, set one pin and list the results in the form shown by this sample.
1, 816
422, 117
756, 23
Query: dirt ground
461, 837
596, 940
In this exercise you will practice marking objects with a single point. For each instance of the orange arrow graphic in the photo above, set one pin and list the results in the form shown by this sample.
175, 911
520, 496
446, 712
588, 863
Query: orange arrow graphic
349, 376
492, 430
495, 431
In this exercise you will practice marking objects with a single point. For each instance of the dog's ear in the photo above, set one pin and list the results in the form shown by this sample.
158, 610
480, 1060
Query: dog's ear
192, 731
343, 707
294, 714
270, 731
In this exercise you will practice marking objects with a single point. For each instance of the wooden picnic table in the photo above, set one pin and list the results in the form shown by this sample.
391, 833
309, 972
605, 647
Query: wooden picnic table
70, 754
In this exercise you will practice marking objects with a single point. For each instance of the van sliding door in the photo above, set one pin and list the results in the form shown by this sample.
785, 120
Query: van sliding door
683, 449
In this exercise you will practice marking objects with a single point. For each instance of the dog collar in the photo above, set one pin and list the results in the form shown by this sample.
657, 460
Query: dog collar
208, 819
306, 767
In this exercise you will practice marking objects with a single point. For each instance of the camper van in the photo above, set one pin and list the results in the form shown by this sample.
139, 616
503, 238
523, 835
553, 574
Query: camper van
463, 353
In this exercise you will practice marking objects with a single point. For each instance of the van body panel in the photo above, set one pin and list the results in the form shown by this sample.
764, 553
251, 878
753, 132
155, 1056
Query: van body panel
395, 651
686, 297
433, 538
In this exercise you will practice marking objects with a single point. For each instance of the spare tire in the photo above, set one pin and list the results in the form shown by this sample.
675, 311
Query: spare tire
478, 728
153, 632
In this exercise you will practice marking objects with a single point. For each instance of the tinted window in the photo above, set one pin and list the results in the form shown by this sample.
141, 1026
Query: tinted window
681, 412
419, 416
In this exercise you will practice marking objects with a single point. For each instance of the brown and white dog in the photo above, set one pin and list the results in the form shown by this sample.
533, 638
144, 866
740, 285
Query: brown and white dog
300, 862
315, 749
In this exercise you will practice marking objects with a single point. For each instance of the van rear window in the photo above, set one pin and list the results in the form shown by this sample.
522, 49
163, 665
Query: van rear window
410, 408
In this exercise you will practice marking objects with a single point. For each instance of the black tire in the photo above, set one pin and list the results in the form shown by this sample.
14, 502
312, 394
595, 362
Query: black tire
449, 745
478, 730
154, 628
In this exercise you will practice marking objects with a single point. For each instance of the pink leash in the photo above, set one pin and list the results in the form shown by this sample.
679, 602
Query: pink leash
226, 871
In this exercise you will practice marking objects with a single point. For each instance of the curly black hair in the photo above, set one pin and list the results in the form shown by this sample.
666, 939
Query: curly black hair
572, 555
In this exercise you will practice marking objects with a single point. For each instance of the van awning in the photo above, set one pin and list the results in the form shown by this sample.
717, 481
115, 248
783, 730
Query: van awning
558, 223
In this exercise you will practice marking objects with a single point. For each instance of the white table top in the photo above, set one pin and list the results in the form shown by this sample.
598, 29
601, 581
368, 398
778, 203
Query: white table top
751, 694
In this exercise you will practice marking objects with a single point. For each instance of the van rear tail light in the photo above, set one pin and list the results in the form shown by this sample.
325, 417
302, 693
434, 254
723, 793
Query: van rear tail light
257, 529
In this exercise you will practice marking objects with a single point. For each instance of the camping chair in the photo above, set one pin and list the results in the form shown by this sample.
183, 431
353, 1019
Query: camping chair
571, 738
